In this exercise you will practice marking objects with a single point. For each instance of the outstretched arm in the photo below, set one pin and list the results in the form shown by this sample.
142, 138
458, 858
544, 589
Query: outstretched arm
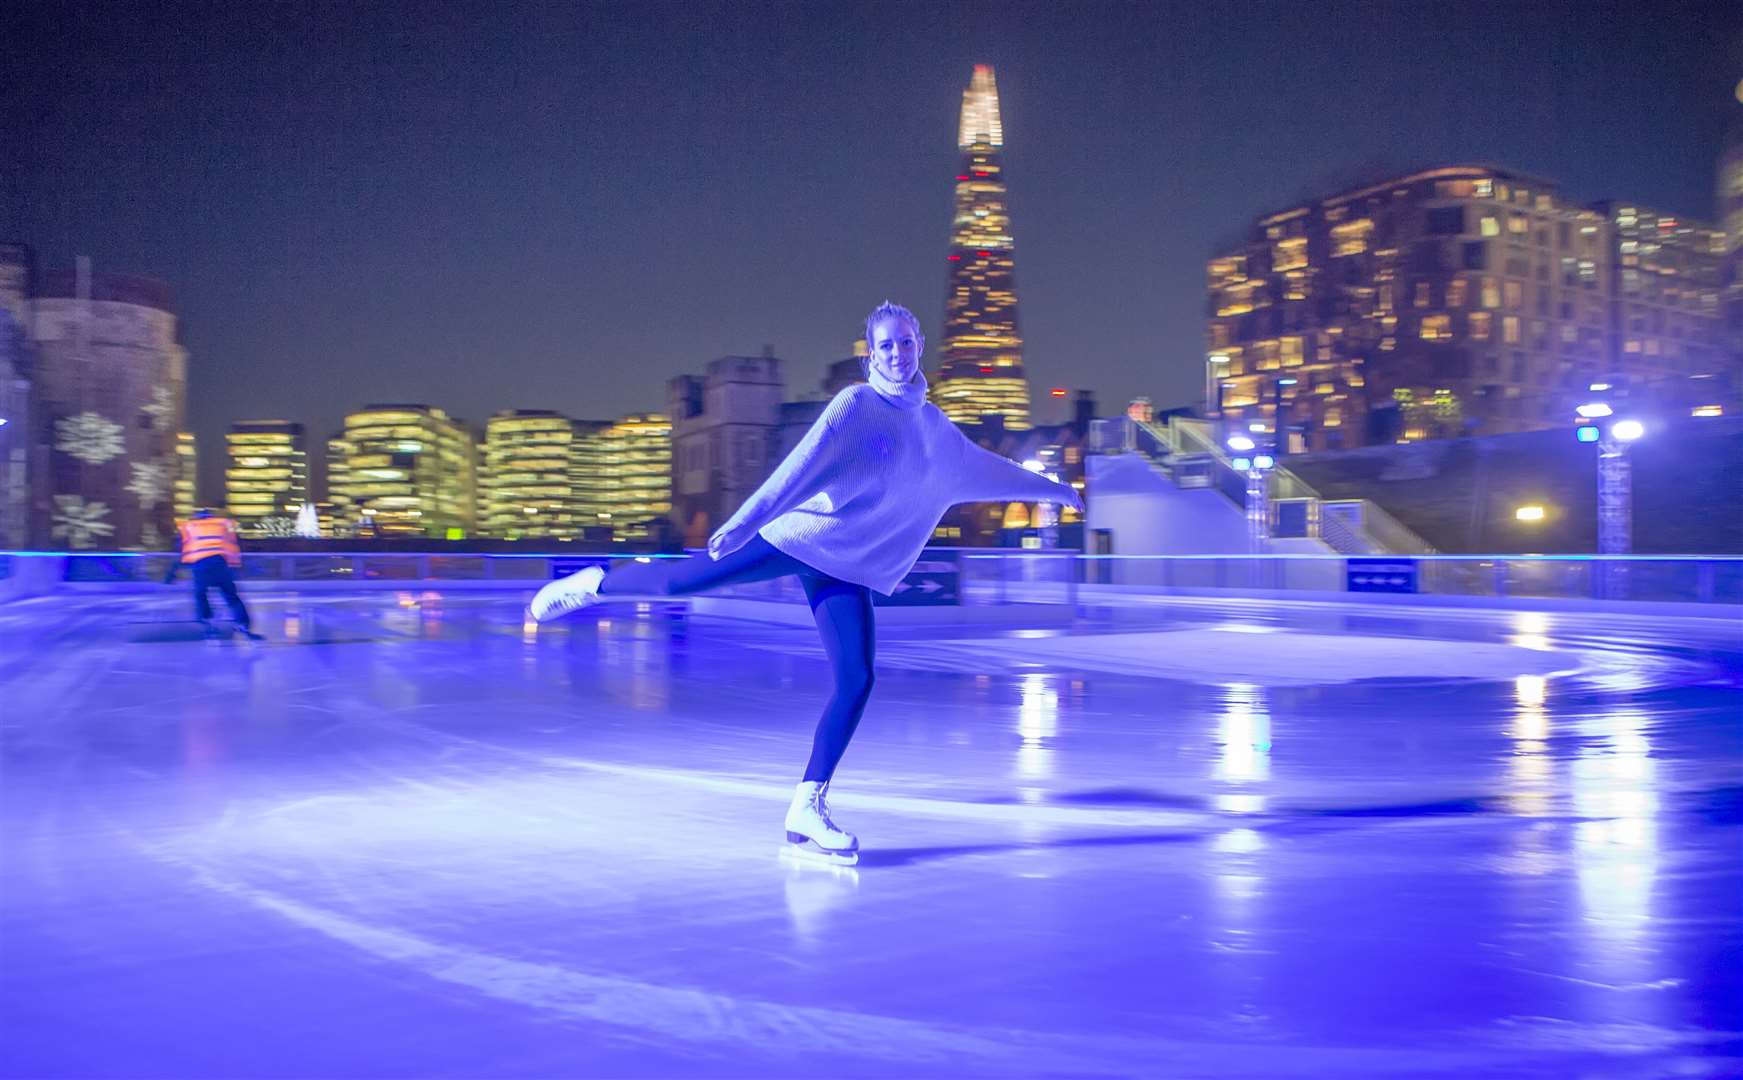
798, 477
989, 477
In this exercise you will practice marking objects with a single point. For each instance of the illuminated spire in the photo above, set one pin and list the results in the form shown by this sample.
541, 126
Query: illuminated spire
982, 369
980, 111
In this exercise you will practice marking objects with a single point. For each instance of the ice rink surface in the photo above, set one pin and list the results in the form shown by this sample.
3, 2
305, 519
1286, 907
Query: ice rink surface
410, 837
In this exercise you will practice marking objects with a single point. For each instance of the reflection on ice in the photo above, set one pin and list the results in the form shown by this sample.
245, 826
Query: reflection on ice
1530, 631
1530, 768
1037, 722
1245, 733
1238, 841
1617, 855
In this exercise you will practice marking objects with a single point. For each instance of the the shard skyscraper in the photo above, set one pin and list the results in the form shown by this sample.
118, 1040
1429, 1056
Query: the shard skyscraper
982, 369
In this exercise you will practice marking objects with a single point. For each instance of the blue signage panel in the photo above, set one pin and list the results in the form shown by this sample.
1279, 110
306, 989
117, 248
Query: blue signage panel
933, 581
1392, 575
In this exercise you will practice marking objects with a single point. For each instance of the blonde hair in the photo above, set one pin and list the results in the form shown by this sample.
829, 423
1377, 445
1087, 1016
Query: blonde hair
888, 310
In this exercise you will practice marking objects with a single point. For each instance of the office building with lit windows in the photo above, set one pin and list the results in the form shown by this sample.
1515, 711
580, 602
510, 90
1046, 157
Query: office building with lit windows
981, 373
527, 483
266, 475
405, 470
16, 263
623, 476
1728, 204
1452, 301
339, 516
1667, 327
187, 475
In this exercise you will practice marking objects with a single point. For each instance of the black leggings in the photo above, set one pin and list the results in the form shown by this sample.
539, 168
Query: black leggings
212, 572
844, 620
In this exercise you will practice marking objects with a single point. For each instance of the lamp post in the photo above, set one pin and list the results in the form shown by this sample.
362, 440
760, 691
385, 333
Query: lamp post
1615, 486
1255, 468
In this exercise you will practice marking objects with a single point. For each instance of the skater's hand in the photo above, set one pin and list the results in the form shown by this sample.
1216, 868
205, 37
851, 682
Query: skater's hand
728, 539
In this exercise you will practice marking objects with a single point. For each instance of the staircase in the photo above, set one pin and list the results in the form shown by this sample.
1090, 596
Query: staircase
1188, 454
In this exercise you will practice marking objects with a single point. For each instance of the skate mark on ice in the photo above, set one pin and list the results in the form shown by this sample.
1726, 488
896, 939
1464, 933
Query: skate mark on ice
740, 1024
916, 805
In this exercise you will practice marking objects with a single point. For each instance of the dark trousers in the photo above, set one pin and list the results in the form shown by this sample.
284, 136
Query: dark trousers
213, 572
844, 620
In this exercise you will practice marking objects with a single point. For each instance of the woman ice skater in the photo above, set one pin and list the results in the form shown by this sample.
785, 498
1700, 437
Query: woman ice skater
847, 512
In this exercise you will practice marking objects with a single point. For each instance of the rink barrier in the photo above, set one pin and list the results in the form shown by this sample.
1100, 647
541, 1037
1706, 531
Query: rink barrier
984, 577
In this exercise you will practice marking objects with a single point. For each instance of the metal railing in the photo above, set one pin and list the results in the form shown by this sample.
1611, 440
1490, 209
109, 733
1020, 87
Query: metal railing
970, 576
1185, 443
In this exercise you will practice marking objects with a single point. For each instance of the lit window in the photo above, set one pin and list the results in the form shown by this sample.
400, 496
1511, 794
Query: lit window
1290, 254
1455, 293
1479, 325
1510, 329
1491, 293
1422, 294
1485, 189
1351, 237
1518, 224
1436, 328
1491, 227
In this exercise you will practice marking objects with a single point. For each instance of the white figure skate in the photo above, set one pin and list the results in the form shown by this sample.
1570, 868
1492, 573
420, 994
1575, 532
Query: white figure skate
811, 834
566, 594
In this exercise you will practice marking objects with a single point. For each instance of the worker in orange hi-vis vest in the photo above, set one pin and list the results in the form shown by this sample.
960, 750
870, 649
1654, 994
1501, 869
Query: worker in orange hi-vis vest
208, 544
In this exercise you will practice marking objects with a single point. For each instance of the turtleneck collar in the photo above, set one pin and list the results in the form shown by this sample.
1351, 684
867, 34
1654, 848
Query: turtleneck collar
908, 395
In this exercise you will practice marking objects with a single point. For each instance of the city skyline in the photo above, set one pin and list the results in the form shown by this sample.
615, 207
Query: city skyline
519, 212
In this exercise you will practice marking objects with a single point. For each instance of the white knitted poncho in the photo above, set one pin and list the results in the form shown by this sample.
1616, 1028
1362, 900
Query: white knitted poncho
860, 495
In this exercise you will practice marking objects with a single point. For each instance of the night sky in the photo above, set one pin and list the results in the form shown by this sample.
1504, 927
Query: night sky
561, 206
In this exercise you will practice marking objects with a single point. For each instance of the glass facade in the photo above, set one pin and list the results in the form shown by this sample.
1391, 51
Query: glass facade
405, 470
338, 513
982, 369
1728, 201
623, 475
187, 473
266, 475
1666, 321
527, 482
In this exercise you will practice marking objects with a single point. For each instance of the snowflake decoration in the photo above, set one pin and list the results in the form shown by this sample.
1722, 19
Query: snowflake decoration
80, 522
162, 408
150, 483
89, 437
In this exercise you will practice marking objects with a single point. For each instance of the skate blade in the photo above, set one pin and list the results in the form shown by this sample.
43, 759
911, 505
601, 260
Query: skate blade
808, 852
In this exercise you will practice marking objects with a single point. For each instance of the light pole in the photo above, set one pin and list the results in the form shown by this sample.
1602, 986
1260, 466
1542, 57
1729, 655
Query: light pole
1615, 473
1255, 467
1615, 486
